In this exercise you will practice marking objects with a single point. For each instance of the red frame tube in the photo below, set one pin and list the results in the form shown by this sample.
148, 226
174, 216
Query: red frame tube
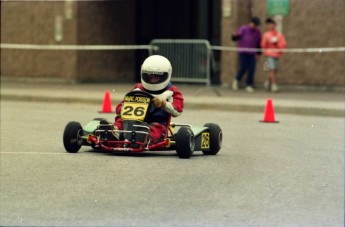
115, 145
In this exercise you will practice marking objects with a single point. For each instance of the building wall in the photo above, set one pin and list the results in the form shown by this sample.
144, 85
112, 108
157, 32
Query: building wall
316, 23
86, 23
106, 23
34, 23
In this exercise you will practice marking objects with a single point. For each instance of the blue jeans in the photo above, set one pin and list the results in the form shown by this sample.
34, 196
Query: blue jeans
247, 64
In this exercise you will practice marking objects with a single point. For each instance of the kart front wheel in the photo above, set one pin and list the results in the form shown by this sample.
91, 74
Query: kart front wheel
72, 137
185, 142
216, 137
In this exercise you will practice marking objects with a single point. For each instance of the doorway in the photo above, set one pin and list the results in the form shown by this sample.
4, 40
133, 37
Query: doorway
177, 19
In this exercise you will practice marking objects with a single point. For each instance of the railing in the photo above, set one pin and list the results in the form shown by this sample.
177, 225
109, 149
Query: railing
191, 58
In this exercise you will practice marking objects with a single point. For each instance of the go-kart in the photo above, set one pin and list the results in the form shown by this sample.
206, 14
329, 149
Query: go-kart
135, 136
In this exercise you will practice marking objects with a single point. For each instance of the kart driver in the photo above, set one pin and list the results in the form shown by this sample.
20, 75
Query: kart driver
168, 100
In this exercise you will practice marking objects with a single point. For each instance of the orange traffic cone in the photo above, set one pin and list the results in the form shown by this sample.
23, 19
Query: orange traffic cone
269, 113
106, 107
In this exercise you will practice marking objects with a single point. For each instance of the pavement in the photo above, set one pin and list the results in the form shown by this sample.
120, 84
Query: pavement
316, 103
269, 175
286, 174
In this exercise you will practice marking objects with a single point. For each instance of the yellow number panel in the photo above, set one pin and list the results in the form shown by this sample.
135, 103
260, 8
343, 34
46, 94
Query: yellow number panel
205, 140
132, 110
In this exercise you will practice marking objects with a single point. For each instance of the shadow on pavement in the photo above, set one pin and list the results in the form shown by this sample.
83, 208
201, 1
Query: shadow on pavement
142, 154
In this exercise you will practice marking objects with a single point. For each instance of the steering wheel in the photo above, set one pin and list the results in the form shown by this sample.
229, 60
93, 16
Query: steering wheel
145, 94
142, 93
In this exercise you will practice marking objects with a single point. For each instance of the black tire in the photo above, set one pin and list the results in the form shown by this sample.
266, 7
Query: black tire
72, 140
185, 142
94, 147
216, 137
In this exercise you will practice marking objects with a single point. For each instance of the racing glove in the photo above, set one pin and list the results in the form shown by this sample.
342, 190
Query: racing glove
158, 102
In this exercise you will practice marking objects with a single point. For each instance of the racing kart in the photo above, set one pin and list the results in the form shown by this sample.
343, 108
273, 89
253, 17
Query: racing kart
135, 136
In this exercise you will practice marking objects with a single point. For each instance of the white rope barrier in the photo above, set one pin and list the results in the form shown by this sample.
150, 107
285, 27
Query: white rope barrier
286, 50
75, 47
149, 47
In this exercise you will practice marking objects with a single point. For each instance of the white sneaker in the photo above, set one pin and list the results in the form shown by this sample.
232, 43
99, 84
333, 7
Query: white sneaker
235, 85
250, 89
275, 88
267, 85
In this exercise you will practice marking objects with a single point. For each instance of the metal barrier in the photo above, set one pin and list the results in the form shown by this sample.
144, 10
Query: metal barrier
190, 59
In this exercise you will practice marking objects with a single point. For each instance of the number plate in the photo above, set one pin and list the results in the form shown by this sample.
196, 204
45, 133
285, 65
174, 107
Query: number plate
205, 140
135, 108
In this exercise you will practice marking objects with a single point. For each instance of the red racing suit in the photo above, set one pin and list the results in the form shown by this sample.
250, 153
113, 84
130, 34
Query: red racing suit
159, 119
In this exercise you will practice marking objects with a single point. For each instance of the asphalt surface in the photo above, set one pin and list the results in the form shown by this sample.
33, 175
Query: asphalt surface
286, 174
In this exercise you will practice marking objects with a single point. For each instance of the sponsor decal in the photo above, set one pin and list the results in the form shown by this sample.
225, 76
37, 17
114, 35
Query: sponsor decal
135, 108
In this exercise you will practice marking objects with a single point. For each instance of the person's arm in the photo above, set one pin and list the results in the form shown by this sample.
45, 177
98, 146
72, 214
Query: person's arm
171, 101
263, 43
281, 42
175, 107
237, 35
118, 120
118, 108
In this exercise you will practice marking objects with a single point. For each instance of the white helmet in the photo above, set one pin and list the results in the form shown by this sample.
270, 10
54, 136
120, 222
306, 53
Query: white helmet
155, 73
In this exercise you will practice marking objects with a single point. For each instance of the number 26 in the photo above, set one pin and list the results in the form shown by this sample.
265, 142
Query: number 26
129, 111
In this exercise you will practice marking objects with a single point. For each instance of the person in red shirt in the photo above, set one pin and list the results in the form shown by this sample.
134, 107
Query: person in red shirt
271, 41
168, 100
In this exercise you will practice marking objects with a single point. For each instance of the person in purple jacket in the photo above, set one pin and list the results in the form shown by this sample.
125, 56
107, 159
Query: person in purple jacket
247, 36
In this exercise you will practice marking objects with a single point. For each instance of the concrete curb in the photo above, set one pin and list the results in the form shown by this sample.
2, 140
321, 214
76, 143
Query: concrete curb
198, 105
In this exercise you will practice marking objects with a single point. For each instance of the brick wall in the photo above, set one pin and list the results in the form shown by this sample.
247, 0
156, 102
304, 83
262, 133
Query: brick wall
91, 22
34, 23
107, 23
316, 23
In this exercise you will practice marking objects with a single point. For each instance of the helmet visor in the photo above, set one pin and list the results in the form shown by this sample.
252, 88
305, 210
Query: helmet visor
154, 78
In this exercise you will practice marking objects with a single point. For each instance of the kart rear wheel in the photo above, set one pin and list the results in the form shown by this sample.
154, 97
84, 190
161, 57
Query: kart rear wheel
185, 142
216, 137
72, 137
